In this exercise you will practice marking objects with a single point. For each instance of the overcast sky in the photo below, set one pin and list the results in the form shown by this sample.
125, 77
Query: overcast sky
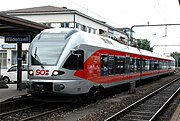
122, 13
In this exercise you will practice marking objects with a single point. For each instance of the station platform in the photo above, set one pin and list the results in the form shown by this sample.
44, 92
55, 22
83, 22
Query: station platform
11, 92
176, 115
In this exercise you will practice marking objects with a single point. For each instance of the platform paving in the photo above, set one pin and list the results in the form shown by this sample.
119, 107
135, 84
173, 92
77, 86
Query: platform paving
11, 92
176, 115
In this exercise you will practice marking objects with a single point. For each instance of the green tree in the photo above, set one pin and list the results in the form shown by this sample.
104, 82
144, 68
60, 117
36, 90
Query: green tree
176, 56
143, 44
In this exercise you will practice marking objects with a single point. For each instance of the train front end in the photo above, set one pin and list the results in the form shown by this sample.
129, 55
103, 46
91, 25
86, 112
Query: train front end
48, 52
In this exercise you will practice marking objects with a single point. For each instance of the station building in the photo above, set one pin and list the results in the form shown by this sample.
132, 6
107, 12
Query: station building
56, 17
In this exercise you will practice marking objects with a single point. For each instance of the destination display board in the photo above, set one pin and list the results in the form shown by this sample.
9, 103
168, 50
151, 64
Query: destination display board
17, 39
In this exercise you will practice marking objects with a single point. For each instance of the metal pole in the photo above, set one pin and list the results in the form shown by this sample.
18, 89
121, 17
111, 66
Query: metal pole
0, 69
1, 78
19, 65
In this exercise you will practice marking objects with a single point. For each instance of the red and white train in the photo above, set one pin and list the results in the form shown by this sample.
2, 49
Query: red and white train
65, 63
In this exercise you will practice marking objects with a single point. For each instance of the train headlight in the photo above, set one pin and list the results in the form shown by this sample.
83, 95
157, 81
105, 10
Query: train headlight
57, 72
30, 72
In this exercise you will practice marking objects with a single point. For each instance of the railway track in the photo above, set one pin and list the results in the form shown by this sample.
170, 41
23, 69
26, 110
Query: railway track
16, 103
42, 112
31, 112
151, 106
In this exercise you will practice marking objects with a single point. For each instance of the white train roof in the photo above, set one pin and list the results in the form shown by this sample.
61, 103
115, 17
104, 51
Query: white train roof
103, 42
57, 30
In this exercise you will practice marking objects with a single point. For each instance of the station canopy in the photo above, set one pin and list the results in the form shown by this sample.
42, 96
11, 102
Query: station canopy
10, 25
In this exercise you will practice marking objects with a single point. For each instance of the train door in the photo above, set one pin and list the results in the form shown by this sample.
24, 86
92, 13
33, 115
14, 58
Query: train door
127, 65
141, 61
138, 67
111, 65
104, 65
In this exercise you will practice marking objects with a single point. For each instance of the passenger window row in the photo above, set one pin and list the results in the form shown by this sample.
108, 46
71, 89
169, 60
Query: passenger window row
111, 65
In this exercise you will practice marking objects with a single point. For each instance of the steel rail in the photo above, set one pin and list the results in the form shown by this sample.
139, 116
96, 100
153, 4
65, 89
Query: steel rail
164, 105
137, 103
43, 113
19, 110
17, 102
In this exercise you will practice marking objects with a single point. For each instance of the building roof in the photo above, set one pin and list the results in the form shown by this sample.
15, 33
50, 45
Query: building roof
51, 10
39, 9
10, 25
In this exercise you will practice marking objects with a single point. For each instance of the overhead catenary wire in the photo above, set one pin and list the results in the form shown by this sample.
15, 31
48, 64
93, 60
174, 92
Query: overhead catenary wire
87, 9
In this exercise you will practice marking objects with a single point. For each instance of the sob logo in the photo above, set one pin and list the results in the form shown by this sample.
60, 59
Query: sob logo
42, 72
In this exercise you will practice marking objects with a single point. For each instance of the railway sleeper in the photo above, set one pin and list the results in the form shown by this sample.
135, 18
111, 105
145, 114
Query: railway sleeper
137, 117
149, 113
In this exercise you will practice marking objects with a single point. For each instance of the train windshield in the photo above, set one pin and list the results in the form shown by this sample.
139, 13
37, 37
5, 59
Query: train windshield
47, 48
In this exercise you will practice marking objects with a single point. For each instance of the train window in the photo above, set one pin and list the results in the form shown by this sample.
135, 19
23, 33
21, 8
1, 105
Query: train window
75, 61
127, 64
111, 65
151, 65
159, 65
165, 65
156, 65
169, 65
122, 63
132, 64
135, 65
47, 48
145, 65
119, 65
162, 65
104, 65
172, 64
138, 65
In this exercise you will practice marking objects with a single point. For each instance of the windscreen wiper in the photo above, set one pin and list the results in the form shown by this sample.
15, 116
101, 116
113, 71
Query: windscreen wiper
38, 59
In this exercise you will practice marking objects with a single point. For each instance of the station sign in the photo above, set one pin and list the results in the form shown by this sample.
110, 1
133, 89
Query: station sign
8, 46
17, 39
